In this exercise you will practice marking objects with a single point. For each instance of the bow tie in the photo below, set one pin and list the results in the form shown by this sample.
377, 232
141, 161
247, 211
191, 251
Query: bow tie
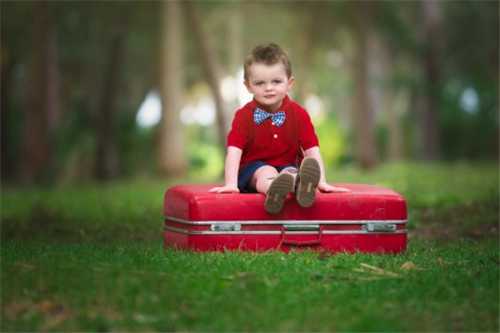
277, 118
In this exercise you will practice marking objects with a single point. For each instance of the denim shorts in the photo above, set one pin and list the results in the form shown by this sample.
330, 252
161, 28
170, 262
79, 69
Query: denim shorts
245, 175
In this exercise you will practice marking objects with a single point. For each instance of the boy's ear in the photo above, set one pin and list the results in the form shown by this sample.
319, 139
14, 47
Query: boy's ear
247, 84
291, 82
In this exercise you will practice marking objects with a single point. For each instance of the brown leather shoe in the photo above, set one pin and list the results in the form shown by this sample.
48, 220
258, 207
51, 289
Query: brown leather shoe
307, 182
276, 195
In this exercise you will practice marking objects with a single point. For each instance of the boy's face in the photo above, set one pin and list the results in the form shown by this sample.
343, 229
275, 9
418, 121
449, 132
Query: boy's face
269, 84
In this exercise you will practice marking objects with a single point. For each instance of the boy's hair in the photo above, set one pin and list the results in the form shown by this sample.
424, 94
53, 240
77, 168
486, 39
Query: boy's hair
268, 54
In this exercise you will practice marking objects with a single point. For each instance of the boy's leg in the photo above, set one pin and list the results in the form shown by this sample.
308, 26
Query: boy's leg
307, 182
291, 170
276, 187
262, 178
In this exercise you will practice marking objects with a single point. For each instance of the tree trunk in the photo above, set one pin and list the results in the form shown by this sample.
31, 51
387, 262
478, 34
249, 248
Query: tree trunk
305, 50
6, 149
210, 68
432, 84
235, 23
383, 96
395, 152
107, 164
172, 159
363, 115
235, 36
41, 112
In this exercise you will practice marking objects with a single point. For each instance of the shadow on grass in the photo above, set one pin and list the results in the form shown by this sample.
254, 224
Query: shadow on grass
472, 221
465, 206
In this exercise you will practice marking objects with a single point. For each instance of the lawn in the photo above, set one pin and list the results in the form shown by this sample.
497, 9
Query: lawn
89, 258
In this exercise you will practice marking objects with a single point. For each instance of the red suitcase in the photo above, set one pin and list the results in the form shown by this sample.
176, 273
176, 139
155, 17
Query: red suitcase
367, 219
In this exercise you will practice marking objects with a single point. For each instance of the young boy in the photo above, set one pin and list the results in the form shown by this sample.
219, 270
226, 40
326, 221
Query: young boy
270, 135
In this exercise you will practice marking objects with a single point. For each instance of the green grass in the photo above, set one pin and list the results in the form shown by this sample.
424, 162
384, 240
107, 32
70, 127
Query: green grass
116, 211
85, 287
90, 259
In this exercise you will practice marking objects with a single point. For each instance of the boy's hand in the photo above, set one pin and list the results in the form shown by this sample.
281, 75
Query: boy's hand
325, 187
224, 189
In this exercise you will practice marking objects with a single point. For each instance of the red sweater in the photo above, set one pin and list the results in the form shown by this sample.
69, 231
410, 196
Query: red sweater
277, 146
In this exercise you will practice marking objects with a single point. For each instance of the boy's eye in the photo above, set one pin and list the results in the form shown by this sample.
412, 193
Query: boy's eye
277, 81
258, 83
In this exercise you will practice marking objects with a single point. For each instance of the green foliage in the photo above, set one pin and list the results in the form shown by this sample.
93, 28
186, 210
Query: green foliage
321, 50
206, 160
86, 212
437, 185
469, 134
332, 141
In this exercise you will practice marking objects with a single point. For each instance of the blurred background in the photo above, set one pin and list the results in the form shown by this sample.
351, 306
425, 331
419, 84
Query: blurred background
99, 91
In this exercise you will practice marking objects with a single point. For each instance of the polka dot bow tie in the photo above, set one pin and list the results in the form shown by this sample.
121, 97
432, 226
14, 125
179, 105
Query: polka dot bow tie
277, 118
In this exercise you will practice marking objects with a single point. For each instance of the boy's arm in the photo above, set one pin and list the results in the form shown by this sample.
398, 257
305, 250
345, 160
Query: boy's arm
232, 164
323, 185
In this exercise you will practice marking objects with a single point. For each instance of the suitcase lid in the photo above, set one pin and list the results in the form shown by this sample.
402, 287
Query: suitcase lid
364, 202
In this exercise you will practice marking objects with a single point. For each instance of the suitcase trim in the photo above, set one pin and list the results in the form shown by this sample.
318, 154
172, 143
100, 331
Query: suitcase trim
253, 222
277, 232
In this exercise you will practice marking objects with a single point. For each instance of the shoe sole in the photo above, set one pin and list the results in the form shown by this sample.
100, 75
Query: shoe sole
276, 195
309, 174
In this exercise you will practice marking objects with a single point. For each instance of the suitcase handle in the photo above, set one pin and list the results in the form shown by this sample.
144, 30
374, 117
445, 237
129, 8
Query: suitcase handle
291, 242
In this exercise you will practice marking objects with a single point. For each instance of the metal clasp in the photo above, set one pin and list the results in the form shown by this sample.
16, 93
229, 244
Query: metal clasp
225, 227
379, 227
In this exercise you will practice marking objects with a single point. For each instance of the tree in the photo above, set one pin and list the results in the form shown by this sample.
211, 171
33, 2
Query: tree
6, 72
210, 68
305, 49
172, 160
235, 36
430, 98
363, 115
42, 105
235, 30
107, 163
383, 94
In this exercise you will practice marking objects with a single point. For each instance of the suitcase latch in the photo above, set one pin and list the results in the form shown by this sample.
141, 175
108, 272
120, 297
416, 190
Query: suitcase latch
379, 227
225, 227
